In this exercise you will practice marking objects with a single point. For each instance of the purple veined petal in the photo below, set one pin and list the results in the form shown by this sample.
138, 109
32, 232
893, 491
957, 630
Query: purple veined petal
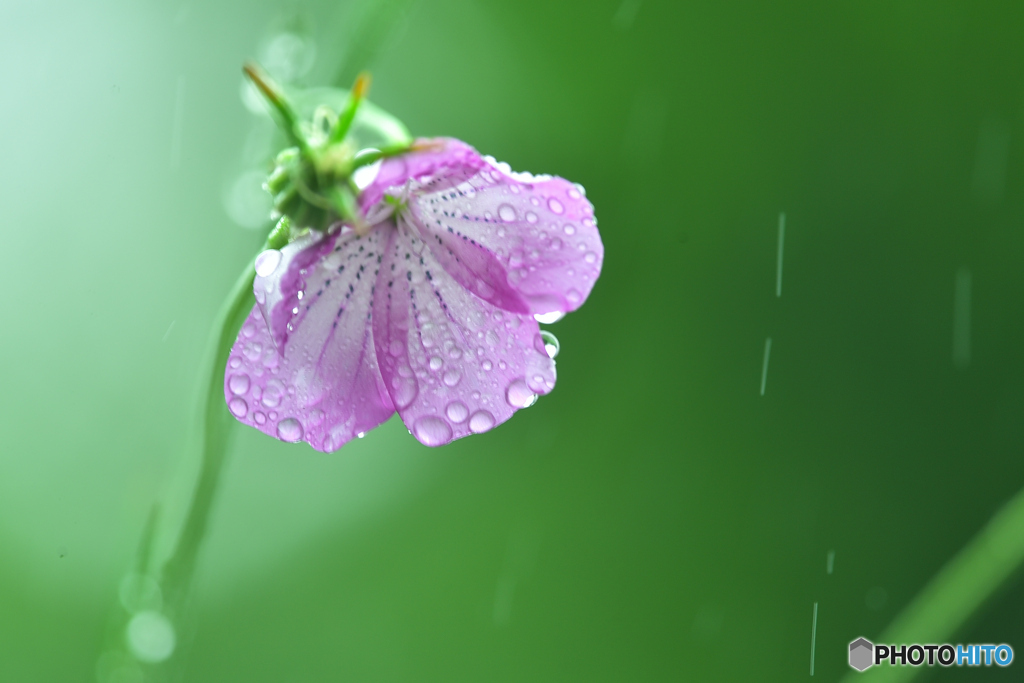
317, 381
453, 363
539, 230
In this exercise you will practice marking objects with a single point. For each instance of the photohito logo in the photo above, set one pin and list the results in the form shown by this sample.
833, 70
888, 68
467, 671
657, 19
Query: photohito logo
865, 654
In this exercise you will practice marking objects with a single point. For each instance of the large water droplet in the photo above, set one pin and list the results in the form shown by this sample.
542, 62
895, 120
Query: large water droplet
506, 213
267, 262
238, 407
481, 422
433, 431
289, 429
548, 318
551, 345
239, 384
457, 412
452, 377
436, 363
364, 175
555, 206
519, 395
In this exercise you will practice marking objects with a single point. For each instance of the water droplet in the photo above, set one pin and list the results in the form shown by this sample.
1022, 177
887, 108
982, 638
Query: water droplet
452, 377
569, 229
405, 392
590, 257
506, 213
238, 407
315, 417
289, 429
455, 353
519, 395
436, 363
273, 394
360, 435
573, 193
239, 384
487, 365
457, 412
396, 348
259, 418
252, 350
555, 206
531, 217
551, 345
267, 262
365, 175
235, 362
481, 422
248, 330
433, 431
151, 637
548, 318
573, 296
580, 189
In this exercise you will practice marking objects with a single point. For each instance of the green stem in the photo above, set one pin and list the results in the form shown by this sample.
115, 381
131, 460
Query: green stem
215, 427
957, 592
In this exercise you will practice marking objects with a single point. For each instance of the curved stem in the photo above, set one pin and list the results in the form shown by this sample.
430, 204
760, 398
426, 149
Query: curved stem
957, 592
215, 426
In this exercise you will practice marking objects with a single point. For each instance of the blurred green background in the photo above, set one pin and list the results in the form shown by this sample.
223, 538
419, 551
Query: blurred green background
655, 518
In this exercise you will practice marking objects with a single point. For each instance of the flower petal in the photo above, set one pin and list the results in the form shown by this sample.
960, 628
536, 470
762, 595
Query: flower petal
315, 378
453, 363
539, 230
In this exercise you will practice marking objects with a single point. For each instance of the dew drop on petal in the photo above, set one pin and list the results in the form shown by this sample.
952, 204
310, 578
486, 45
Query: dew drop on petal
239, 384
551, 345
487, 365
433, 431
481, 422
569, 229
457, 412
531, 217
548, 318
360, 435
267, 262
452, 377
238, 407
590, 257
436, 363
506, 213
235, 362
273, 394
555, 206
519, 395
259, 418
573, 296
396, 348
405, 392
315, 417
289, 429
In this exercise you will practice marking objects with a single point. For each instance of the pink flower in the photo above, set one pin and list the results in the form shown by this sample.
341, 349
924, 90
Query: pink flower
428, 308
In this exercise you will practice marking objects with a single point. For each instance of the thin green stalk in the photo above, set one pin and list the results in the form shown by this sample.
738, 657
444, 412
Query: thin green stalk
957, 592
215, 428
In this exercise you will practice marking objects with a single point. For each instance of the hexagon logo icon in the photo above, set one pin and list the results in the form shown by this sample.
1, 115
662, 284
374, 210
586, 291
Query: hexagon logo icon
861, 651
